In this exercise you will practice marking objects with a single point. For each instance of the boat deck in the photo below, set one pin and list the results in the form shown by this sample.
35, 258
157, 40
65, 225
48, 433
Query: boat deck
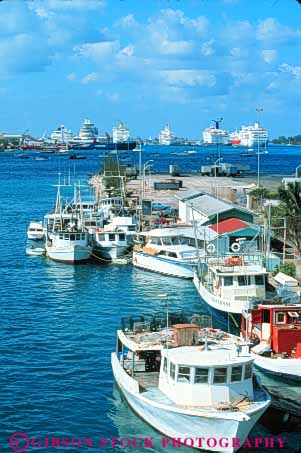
149, 379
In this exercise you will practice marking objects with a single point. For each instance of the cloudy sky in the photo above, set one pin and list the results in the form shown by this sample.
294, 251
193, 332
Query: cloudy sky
148, 62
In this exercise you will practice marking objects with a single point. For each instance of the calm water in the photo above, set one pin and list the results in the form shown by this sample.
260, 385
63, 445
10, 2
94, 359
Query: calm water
58, 322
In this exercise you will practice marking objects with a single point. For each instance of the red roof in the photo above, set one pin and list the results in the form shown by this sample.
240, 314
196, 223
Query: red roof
228, 226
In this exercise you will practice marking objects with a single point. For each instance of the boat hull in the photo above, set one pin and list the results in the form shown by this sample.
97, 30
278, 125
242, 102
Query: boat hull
35, 236
218, 303
163, 266
176, 424
72, 254
110, 253
287, 369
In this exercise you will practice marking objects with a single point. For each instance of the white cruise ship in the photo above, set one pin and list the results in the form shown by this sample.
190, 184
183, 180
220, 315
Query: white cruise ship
61, 135
214, 135
87, 133
120, 133
167, 137
253, 135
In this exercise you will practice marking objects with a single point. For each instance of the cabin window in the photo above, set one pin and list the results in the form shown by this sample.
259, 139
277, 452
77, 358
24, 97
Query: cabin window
165, 365
61, 236
83, 236
122, 237
101, 237
228, 281
78, 236
162, 253
66, 236
259, 280
172, 254
72, 237
236, 373
220, 375
132, 228
280, 317
166, 241
201, 376
248, 370
184, 374
266, 318
111, 237
155, 241
244, 280
172, 371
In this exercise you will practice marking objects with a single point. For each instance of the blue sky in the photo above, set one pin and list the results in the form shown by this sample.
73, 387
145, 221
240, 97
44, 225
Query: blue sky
148, 62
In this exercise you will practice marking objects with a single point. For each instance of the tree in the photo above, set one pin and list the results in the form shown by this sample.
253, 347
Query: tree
290, 198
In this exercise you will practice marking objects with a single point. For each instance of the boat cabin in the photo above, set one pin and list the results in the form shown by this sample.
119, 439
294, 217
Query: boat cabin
195, 376
233, 279
106, 238
62, 238
277, 328
169, 244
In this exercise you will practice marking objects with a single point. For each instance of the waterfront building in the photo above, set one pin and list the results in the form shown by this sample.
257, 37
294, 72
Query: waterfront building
121, 133
167, 137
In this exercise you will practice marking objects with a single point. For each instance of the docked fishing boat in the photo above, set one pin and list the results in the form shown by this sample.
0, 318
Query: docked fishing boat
185, 380
166, 251
128, 224
35, 231
229, 284
67, 240
109, 243
70, 247
275, 329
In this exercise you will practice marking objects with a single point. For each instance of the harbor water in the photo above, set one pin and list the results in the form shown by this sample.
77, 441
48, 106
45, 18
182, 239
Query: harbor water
58, 321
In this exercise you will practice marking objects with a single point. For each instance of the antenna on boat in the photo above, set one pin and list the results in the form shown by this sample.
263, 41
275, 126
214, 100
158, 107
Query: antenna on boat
165, 296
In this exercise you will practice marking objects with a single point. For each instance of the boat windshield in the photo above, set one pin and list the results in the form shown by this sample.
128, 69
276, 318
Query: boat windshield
174, 240
188, 255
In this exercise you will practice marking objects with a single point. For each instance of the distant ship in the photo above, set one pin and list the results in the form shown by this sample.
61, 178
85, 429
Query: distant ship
167, 137
121, 133
250, 136
214, 135
61, 135
89, 139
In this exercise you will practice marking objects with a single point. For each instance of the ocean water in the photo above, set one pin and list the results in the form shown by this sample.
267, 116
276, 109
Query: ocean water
58, 322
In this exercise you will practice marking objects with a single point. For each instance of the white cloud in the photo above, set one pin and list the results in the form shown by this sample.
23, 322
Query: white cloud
91, 77
269, 55
97, 51
188, 77
271, 30
295, 71
207, 48
71, 76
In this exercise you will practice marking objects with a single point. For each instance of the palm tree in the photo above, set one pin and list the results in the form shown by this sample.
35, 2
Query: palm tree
290, 198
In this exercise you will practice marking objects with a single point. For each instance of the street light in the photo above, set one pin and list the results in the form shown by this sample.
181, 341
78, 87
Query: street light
147, 165
259, 111
296, 171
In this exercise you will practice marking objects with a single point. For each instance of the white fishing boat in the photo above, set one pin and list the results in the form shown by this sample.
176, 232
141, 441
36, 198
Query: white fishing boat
109, 243
68, 247
35, 231
228, 284
186, 381
275, 330
67, 241
166, 251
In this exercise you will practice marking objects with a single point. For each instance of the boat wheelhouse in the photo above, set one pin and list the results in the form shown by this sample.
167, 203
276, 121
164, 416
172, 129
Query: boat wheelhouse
230, 284
109, 243
185, 380
275, 328
167, 252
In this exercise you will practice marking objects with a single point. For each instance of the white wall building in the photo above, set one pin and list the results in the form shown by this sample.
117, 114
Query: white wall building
120, 133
